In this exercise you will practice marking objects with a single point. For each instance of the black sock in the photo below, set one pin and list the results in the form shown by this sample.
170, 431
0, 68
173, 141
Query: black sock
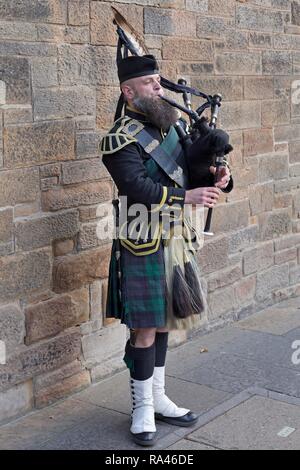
140, 361
161, 346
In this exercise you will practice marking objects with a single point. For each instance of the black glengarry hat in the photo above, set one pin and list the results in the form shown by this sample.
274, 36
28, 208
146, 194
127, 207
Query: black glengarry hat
137, 66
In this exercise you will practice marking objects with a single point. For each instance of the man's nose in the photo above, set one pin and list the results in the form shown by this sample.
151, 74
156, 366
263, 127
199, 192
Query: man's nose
157, 85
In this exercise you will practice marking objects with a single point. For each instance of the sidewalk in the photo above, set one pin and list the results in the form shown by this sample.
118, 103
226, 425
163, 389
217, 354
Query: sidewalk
246, 389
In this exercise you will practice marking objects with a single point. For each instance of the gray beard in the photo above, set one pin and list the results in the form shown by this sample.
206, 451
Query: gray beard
160, 113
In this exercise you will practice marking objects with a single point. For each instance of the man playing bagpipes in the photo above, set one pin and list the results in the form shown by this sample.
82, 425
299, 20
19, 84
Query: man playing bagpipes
153, 279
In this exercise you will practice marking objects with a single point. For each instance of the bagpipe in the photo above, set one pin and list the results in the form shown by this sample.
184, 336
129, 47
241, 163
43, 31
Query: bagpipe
204, 145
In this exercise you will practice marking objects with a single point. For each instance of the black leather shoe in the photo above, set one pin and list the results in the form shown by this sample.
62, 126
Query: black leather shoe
186, 420
144, 438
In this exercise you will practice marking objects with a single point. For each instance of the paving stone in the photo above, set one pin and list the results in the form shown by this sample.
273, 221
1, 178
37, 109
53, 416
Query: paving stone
254, 424
187, 444
274, 320
114, 394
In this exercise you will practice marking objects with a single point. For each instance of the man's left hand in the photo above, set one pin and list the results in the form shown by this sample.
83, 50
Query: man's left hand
224, 176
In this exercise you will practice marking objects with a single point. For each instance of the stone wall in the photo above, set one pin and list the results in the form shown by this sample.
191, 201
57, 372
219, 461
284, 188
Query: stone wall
58, 91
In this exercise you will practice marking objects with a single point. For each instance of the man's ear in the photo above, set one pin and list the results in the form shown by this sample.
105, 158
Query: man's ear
127, 92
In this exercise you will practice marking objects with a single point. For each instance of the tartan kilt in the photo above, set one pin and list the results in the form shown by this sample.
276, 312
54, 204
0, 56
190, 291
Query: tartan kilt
143, 302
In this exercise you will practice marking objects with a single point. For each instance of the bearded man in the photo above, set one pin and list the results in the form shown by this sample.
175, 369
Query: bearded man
144, 156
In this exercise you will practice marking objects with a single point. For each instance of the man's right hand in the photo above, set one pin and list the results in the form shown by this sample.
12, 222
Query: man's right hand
205, 196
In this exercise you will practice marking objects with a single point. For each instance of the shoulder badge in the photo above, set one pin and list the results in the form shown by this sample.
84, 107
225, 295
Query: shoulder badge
119, 136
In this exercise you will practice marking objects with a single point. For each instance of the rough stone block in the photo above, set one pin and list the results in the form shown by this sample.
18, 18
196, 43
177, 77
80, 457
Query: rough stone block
288, 241
296, 13
29, 361
275, 113
16, 401
24, 273
64, 103
47, 183
96, 301
18, 115
11, 30
258, 141
44, 72
87, 144
260, 40
231, 88
258, 258
224, 278
53, 169
285, 256
42, 231
84, 170
103, 344
63, 247
295, 274
103, 31
88, 237
87, 65
25, 210
288, 133
294, 148
74, 271
77, 34
27, 49
261, 198
261, 19
221, 303
275, 224
213, 256
220, 8
277, 63
244, 291
82, 194
258, 88
187, 49
198, 6
14, 71
47, 319
106, 99
233, 41
169, 22
44, 11
87, 213
12, 330
240, 115
242, 239
275, 166
6, 248
79, 12
243, 63
18, 186
6, 225
38, 143
213, 27
91, 327
61, 389
273, 278
230, 216
283, 200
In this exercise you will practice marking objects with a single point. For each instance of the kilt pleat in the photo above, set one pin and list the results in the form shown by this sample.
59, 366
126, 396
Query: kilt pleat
143, 287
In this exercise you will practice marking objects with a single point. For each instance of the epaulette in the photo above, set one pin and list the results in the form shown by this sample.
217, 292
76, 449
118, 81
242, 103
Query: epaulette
121, 134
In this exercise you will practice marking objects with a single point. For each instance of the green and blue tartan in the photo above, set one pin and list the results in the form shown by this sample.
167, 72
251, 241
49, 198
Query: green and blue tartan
143, 302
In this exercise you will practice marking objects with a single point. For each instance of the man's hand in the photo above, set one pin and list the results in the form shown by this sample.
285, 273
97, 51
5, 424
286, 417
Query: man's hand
224, 176
206, 196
